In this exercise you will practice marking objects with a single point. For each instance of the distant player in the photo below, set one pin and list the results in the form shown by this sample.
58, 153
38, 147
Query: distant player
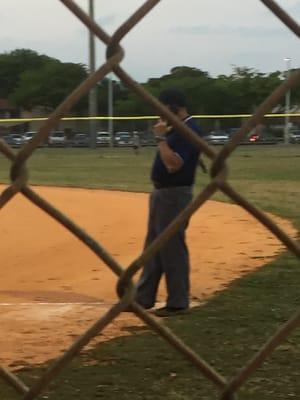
136, 142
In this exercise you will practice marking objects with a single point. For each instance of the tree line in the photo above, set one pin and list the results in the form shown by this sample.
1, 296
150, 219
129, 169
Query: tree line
29, 79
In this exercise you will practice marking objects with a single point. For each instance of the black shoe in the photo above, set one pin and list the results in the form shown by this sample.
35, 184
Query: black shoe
170, 312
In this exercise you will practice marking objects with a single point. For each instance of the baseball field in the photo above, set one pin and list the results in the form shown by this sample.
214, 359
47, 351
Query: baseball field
244, 283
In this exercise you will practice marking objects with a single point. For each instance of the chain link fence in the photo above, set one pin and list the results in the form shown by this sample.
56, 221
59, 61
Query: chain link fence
219, 181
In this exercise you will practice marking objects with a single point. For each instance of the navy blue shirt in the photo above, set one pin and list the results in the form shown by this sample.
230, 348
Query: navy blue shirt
189, 154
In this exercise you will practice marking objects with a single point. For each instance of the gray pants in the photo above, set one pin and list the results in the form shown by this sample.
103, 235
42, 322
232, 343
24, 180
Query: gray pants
173, 258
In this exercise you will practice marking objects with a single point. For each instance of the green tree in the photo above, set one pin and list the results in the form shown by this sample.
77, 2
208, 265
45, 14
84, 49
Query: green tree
247, 88
29, 79
14, 64
194, 82
49, 85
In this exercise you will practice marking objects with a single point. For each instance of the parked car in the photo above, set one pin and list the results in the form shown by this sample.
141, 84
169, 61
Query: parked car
27, 136
80, 140
123, 139
217, 137
253, 138
7, 139
103, 139
232, 131
147, 138
57, 138
262, 138
14, 140
295, 137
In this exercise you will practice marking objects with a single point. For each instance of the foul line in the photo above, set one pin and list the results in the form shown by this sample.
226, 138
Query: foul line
57, 304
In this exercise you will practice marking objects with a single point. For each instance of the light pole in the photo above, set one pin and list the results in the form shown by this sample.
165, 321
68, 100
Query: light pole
287, 104
93, 92
110, 109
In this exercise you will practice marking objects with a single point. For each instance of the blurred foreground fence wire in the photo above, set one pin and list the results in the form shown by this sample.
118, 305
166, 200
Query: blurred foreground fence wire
219, 181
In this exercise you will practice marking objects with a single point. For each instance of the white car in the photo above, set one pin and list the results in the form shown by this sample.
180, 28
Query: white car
57, 138
15, 140
123, 139
217, 138
103, 139
295, 137
27, 136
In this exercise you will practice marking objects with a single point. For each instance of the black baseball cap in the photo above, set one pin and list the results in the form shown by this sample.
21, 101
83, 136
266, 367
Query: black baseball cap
172, 97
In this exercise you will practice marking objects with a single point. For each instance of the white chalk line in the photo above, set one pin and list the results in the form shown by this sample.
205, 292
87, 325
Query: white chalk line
56, 304
159, 304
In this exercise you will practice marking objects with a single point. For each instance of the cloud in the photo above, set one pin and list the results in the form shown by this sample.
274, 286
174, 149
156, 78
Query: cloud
107, 20
241, 31
294, 9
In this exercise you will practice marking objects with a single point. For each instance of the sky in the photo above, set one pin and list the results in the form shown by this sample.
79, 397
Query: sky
212, 35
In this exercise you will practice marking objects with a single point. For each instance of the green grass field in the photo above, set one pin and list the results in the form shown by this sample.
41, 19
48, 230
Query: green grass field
228, 329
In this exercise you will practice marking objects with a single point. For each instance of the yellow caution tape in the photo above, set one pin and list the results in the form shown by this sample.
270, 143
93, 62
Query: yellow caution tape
144, 117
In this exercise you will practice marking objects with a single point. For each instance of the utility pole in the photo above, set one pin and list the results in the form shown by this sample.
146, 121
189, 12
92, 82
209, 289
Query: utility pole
93, 109
110, 109
287, 104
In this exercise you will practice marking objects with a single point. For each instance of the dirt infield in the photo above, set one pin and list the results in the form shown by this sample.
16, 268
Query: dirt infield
52, 287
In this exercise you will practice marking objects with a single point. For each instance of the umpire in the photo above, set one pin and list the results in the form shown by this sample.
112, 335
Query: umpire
173, 175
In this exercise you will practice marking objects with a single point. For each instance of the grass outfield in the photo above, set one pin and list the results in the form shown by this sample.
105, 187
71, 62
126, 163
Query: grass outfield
227, 330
